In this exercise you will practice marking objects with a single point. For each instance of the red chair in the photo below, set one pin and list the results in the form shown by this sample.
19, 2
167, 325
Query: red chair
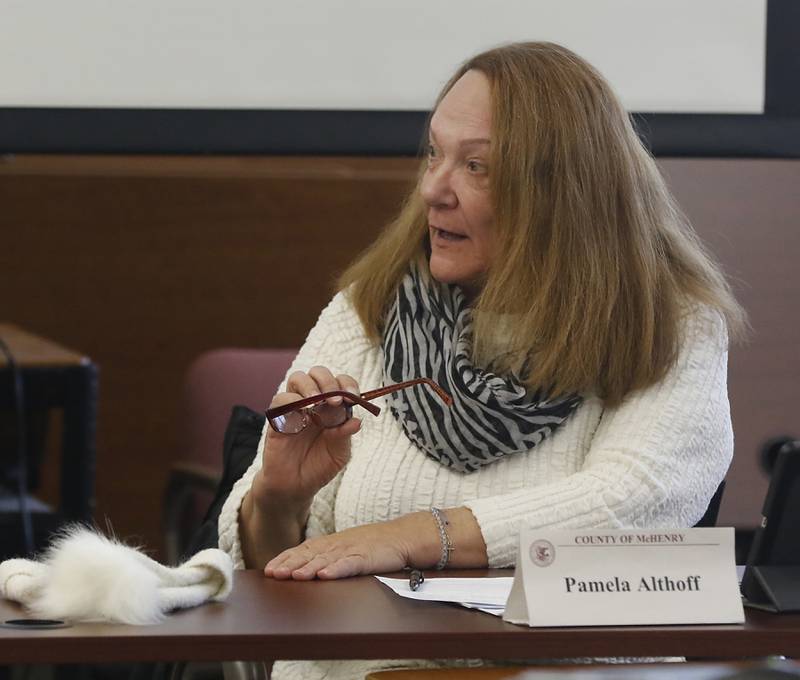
215, 382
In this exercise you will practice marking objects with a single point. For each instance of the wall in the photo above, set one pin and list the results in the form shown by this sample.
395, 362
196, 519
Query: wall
144, 262
248, 54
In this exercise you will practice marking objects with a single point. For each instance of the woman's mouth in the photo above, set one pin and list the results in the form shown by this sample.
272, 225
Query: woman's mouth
447, 235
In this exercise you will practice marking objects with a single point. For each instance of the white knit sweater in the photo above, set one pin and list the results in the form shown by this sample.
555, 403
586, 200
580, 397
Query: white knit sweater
654, 461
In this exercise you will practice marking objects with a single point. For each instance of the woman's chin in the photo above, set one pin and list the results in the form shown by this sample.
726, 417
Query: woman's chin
454, 277
444, 275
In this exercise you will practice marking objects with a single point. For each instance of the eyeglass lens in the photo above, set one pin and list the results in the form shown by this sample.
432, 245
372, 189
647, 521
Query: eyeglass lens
327, 415
290, 423
324, 415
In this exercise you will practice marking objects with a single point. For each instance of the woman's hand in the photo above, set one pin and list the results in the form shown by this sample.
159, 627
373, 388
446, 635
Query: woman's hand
412, 540
296, 466
368, 549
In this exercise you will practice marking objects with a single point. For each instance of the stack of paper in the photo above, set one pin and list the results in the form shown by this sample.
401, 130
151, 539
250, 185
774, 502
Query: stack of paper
486, 594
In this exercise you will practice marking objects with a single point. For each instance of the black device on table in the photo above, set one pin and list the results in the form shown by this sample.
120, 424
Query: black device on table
772, 577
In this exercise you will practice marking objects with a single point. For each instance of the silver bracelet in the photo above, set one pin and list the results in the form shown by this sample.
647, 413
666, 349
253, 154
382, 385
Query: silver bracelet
444, 537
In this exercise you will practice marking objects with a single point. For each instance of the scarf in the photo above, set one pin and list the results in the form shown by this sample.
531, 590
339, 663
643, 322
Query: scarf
428, 334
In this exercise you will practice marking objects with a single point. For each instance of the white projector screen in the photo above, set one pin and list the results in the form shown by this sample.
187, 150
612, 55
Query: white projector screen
679, 56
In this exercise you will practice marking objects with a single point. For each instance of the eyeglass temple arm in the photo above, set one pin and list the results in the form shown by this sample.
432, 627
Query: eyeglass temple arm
308, 401
362, 400
374, 394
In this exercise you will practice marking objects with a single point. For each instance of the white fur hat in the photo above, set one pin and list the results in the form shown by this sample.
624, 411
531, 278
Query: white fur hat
85, 576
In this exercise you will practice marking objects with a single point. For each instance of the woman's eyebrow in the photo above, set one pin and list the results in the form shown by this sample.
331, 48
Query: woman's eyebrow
471, 141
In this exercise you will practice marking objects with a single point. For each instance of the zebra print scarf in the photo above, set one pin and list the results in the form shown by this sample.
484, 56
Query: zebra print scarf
428, 335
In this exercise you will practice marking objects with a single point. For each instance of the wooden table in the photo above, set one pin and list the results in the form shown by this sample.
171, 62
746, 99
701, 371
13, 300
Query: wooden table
57, 377
361, 619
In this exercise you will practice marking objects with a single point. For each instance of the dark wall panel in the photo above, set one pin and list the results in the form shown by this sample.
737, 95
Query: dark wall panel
145, 262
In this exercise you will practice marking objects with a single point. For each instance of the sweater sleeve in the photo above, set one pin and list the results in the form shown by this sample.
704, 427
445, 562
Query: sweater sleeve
336, 341
654, 461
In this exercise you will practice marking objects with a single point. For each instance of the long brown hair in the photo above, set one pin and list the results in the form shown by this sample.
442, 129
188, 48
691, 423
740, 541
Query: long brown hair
594, 263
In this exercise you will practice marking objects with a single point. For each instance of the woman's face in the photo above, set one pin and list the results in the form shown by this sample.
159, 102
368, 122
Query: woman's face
455, 186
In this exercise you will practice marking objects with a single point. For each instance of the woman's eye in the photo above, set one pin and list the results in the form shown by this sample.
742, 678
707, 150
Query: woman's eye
430, 152
476, 166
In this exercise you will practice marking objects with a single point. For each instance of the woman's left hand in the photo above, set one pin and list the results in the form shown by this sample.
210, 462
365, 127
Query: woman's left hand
412, 540
367, 549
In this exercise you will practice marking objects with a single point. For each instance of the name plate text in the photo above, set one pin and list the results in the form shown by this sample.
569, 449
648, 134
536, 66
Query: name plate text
625, 577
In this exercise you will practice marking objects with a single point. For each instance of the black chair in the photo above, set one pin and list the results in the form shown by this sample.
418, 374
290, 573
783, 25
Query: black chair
709, 518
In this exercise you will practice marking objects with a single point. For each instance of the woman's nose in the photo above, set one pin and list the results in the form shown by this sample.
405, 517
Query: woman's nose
437, 188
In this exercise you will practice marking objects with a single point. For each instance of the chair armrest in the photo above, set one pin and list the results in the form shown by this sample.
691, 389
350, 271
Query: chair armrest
195, 475
184, 481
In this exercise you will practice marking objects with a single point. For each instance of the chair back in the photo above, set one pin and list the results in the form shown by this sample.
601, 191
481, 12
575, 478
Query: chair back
709, 518
218, 380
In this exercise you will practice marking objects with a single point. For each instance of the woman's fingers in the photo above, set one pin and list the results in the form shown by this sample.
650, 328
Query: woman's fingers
348, 429
327, 382
311, 568
324, 557
347, 383
350, 565
300, 563
303, 384
284, 398
320, 379
281, 566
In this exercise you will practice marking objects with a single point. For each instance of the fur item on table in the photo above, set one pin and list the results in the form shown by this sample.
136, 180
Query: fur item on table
85, 576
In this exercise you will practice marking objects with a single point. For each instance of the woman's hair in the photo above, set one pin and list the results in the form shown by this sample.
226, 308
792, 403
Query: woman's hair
594, 265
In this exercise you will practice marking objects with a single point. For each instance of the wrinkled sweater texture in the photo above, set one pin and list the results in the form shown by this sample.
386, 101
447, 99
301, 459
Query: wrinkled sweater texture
653, 461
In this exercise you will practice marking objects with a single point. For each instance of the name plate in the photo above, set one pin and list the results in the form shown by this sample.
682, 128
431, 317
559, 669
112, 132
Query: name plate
625, 577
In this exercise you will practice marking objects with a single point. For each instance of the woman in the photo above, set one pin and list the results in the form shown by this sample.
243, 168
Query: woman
542, 275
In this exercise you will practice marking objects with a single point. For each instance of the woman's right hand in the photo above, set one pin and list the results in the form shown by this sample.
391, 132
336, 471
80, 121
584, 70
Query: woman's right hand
296, 466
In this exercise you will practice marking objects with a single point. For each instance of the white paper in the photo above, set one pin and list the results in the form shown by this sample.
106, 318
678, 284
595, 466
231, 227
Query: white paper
488, 595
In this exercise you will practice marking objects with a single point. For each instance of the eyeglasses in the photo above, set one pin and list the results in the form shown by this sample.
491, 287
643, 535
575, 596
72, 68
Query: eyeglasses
295, 417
